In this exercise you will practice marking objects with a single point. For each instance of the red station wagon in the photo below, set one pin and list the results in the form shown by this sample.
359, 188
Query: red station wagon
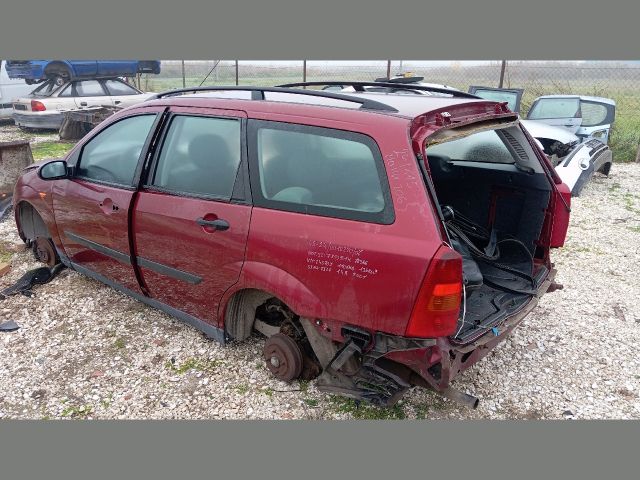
378, 241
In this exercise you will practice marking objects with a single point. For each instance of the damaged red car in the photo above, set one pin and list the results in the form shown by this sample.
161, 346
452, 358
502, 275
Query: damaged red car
378, 241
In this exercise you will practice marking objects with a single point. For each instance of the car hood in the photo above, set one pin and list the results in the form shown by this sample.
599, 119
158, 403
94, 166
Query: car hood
542, 130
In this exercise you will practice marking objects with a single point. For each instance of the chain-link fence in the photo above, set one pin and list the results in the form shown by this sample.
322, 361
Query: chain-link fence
617, 80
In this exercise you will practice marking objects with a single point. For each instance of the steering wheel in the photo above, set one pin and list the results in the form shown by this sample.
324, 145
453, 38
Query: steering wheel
103, 174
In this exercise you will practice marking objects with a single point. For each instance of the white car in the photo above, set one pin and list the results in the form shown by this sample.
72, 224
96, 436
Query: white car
44, 107
10, 89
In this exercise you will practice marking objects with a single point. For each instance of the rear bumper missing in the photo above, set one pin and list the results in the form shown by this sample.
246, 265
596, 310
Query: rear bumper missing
394, 363
437, 366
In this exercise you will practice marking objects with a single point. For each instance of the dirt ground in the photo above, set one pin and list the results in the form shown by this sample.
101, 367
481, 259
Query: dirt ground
84, 350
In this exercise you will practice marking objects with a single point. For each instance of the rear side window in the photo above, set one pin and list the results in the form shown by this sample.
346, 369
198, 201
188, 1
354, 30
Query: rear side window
117, 87
89, 88
547, 108
112, 155
200, 156
319, 171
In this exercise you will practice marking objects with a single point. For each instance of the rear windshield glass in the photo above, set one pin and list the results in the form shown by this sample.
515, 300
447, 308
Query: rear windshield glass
593, 114
555, 108
510, 97
485, 146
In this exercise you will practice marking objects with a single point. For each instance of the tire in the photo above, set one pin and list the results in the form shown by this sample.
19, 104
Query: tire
58, 72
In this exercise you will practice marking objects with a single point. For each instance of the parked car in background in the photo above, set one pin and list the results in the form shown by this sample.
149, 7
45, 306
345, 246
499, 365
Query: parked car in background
9, 90
61, 71
292, 212
587, 117
574, 161
402, 80
44, 107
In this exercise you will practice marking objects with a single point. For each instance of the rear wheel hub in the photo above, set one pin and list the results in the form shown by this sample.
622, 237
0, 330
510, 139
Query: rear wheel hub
283, 357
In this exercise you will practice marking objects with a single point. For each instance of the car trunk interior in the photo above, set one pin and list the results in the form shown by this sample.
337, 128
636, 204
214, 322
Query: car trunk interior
493, 194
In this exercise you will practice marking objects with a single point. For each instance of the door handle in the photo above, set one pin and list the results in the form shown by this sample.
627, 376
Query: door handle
117, 102
83, 104
217, 224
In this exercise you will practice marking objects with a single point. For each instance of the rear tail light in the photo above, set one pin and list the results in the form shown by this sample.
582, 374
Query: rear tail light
37, 106
561, 214
436, 311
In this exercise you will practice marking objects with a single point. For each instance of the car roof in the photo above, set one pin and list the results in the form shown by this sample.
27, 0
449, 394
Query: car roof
582, 97
406, 106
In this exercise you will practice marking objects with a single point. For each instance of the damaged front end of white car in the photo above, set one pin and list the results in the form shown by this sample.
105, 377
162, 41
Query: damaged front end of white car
575, 162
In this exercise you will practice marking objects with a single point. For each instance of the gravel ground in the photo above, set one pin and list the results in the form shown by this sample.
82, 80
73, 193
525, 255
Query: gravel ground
10, 132
86, 351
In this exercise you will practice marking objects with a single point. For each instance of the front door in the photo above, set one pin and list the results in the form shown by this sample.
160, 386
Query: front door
192, 216
92, 208
90, 93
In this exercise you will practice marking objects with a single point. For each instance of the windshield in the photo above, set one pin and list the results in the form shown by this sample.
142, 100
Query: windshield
547, 108
45, 89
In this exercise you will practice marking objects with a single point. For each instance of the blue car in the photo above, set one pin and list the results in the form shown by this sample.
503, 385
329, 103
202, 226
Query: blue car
61, 71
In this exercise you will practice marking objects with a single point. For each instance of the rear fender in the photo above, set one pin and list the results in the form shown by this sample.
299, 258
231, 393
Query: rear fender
278, 283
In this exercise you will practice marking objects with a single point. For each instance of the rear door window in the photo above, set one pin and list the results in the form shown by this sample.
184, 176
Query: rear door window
118, 87
89, 88
319, 171
199, 156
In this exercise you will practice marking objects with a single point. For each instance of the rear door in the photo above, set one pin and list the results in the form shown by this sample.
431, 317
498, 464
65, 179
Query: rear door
512, 96
92, 208
90, 93
558, 111
192, 215
122, 94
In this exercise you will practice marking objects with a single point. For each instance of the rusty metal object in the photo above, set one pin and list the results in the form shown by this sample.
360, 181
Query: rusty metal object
77, 123
44, 251
283, 357
14, 157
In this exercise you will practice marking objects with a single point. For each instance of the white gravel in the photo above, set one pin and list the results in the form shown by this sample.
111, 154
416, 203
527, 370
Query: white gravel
86, 351
10, 132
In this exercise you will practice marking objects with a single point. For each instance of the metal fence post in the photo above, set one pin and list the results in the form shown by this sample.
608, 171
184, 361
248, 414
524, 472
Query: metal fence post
237, 83
388, 68
304, 72
184, 80
503, 67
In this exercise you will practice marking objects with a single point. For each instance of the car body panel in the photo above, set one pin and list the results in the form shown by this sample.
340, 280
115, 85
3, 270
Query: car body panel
512, 96
36, 69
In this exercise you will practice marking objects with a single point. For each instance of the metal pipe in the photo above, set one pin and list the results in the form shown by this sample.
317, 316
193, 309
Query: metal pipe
461, 397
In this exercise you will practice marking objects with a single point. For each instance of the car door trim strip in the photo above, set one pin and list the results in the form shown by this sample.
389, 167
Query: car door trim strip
109, 252
143, 262
169, 271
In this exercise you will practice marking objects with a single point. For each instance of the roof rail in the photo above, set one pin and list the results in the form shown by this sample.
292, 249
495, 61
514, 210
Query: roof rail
257, 93
359, 87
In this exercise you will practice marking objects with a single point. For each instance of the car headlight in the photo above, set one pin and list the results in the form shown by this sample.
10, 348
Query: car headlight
599, 134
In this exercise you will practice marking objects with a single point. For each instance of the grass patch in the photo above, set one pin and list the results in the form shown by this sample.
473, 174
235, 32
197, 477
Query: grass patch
120, 343
312, 402
5, 256
242, 389
44, 150
634, 229
364, 411
77, 412
268, 392
193, 364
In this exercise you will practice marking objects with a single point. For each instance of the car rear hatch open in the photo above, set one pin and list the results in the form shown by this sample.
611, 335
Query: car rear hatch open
501, 208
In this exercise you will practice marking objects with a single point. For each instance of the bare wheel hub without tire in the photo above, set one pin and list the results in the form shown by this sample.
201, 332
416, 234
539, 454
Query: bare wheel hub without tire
283, 357
45, 251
